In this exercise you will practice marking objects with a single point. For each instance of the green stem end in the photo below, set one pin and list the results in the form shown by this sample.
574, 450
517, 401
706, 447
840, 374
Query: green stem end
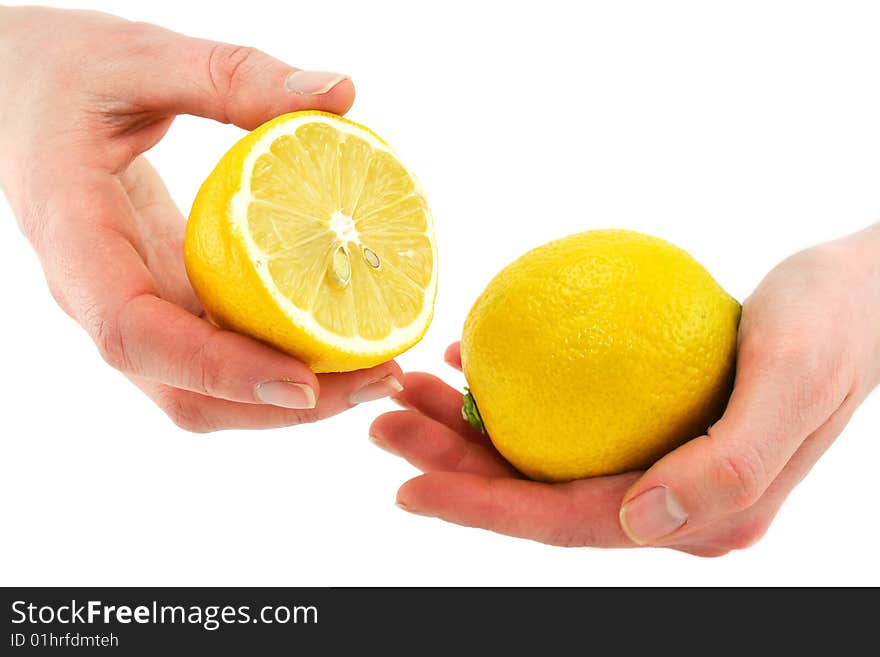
471, 413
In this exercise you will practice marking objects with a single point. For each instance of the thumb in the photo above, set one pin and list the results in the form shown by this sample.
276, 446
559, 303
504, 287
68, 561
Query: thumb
776, 403
176, 74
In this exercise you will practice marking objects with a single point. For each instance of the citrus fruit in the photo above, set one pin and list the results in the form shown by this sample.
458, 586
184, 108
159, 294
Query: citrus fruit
312, 236
598, 353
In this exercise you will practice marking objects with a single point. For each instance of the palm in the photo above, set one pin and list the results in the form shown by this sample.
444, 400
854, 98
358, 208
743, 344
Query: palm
157, 232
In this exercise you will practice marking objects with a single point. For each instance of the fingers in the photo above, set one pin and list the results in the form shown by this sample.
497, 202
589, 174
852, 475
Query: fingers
776, 403
453, 355
580, 513
229, 83
433, 398
200, 413
151, 338
346, 389
154, 339
432, 446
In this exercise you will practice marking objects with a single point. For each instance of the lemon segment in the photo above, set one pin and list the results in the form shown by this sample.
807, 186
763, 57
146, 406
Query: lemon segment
312, 235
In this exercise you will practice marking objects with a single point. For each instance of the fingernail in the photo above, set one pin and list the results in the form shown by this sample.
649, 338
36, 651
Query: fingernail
403, 404
376, 390
378, 442
652, 515
312, 83
408, 508
285, 394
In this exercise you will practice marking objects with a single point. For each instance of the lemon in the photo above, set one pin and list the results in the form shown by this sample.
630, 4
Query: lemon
598, 353
312, 236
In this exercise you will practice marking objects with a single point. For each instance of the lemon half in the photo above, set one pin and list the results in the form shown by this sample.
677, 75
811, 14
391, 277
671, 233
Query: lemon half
312, 236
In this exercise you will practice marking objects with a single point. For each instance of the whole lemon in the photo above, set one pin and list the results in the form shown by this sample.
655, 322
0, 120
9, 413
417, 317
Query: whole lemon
598, 353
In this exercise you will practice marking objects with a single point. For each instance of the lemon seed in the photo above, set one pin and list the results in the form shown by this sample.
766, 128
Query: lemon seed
371, 258
340, 271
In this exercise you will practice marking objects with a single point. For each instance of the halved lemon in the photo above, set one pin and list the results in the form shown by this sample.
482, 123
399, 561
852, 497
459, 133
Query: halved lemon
312, 236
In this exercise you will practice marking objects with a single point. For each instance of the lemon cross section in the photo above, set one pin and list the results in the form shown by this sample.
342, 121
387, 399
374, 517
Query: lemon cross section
311, 235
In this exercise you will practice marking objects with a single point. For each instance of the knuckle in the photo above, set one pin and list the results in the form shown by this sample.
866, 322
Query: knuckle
136, 35
558, 537
569, 537
109, 333
740, 476
740, 535
456, 457
110, 341
211, 368
225, 64
795, 345
305, 416
818, 376
185, 414
746, 535
571, 527
61, 296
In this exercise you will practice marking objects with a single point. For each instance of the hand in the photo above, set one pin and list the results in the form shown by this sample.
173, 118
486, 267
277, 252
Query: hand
809, 353
84, 95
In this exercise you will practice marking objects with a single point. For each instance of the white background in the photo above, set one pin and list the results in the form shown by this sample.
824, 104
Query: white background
741, 131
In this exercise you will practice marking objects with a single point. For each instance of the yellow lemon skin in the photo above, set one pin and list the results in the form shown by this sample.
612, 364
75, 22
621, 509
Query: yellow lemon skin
598, 353
228, 285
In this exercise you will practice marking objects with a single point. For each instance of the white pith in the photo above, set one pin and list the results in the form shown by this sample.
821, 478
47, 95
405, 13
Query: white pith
344, 227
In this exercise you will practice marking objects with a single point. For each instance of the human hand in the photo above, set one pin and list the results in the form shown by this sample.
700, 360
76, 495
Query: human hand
84, 95
808, 355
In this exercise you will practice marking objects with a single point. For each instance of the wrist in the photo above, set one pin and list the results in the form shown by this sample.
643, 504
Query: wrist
873, 234
866, 245
855, 267
866, 249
